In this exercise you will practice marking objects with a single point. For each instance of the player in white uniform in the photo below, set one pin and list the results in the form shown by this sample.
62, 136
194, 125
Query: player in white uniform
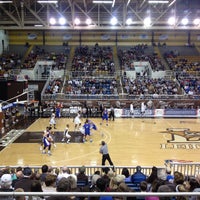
52, 121
131, 110
77, 121
66, 134
143, 108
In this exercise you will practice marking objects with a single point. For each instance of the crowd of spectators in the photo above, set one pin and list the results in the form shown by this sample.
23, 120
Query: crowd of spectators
182, 64
128, 56
47, 179
92, 86
186, 70
9, 62
190, 84
38, 53
98, 60
91, 61
54, 86
148, 86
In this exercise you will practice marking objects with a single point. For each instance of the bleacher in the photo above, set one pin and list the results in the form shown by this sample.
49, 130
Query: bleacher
189, 170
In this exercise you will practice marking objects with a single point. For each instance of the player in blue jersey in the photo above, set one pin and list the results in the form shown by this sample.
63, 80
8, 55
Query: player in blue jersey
47, 140
87, 127
87, 132
105, 116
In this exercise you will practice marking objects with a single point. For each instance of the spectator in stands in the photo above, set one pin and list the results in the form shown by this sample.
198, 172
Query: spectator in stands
19, 174
44, 169
143, 186
117, 184
105, 175
165, 188
22, 197
153, 176
62, 186
50, 183
101, 186
50, 170
138, 176
193, 184
25, 182
126, 173
36, 175
6, 183
65, 173
95, 177
154, 188
36, 187
183, 188
81, 176
169, 177
74, 187
6, 186
178, 178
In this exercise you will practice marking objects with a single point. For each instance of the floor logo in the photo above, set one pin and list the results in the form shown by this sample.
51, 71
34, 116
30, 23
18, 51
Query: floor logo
182, 138
183, 135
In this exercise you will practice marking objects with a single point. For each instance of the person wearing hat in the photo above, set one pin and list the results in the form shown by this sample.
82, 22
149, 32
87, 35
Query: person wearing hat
26, 181
105, 155
6, 183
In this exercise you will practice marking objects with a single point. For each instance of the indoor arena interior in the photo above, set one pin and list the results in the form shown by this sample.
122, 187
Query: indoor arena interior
100, 99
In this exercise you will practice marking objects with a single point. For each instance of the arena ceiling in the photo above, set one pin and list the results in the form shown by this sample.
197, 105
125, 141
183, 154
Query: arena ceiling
31, 14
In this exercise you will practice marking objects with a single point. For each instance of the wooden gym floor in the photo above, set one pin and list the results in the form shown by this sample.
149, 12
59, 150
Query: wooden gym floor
131, 142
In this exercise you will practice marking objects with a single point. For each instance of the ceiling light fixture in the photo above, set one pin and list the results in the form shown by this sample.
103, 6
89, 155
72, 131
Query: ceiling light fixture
113, 3
5, 1
128, 2
38, 25
95, 1
53, 1
157, 1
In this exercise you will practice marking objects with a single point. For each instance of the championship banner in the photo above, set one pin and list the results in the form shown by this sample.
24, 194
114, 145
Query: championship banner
67, 37
32, 36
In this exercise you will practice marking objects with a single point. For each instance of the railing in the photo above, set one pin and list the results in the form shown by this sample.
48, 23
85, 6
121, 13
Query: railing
62, 96
123, 195
90, 170
189, 169
91, 74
